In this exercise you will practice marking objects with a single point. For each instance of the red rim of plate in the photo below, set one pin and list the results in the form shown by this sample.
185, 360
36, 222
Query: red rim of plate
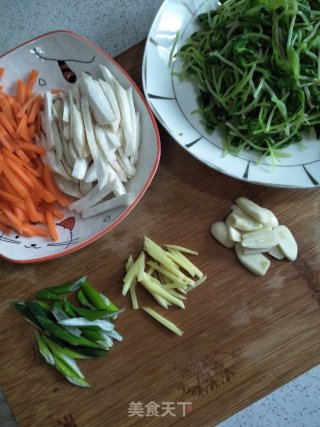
147, 183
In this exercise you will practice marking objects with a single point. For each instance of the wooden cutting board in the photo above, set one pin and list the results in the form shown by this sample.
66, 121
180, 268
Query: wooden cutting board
243, 336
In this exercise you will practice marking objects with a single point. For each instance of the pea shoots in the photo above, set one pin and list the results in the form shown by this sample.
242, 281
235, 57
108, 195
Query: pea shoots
256, 64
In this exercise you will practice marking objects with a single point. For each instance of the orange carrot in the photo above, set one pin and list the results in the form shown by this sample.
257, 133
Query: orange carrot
25, 106
21, 92
16, 182
28, 193
20, 172
7, 124
34, 109
57, 213
27, 146
31, 81
47, 177
6, 108
8, 196
51, 225
1, 71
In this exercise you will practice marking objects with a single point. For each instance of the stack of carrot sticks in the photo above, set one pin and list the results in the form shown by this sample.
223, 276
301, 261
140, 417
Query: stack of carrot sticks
28, 194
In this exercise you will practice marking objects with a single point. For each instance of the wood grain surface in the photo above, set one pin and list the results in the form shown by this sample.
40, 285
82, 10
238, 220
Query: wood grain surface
243, 336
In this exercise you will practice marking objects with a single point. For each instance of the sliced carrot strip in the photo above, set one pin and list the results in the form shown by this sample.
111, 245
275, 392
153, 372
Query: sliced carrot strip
21, 92
8, 196
18, 185
52, 226
6, 108
27, 146
31, 81
28, 180
47, 177
25, 106
7, 124
2, 69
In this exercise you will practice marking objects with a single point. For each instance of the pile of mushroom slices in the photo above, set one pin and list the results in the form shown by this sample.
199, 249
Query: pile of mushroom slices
253, 230
92, 137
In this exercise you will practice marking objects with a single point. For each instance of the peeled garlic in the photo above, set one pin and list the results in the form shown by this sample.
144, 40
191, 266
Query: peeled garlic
276, 252
233, 233
219, 232
287, 243
253, 230
264, 238
273, 220
252, 209
256, 263
242, 221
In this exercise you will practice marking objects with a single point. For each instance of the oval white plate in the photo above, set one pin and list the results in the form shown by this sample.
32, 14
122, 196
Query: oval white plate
59, 56
173, 101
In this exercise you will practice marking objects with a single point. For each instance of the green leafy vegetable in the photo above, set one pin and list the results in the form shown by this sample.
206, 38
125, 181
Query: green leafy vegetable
257, 66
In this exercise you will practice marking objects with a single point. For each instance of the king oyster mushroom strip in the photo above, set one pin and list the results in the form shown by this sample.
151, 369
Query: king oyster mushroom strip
253, 230
92, 135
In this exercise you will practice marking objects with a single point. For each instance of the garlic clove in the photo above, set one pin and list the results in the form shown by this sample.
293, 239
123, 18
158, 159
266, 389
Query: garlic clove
256, 263
219, 232
263, 238
233, 233
273, 220
242, 221
276, 252
252, 209
287, 242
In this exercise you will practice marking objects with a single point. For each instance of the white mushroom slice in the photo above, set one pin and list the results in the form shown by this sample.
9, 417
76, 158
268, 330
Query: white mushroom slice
130, 147
85, 187
252, 209
287, 242
91, 174
48, 119
56, 140
244, 222
219, 232
76, 95
51, 159
118, 188
276, 252
105, 144
273, 220
102, 167
233, 233
259, 239
125, 163
80, 168
77, 130
99, 104
114, 203
92, 198
113, 102
66, 131
124, 107
135, 155
68, 187
256, 263
66, 110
